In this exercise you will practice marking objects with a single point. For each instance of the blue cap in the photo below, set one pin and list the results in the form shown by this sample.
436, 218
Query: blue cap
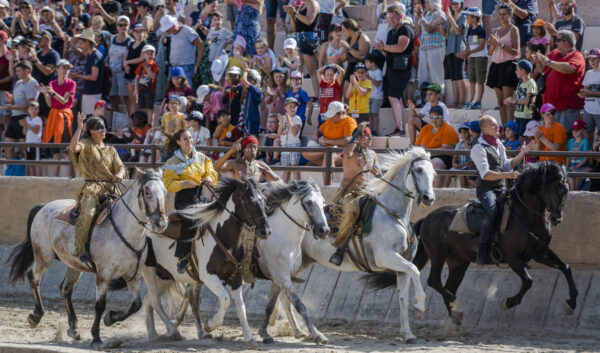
175, 98
464, 125
177, 71
513, 126
474, 125
473, 11
525, 65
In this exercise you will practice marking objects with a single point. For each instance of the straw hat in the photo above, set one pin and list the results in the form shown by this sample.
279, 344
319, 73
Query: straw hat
87, 34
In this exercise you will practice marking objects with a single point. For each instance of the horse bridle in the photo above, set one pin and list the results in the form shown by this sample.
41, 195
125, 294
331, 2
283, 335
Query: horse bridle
249, 227
414, 178
307, 227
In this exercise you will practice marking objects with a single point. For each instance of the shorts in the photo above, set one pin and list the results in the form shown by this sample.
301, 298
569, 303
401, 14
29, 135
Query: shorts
361, 117
87, 103
374, 105
232, 11
117, 86
33, 154
477, 69
502, 74
522, 122
14, 130
323, 26
271, 7
566, 117
453, 68
310, 36
146, 99
290, 158
592, 121
446, 159
488, 7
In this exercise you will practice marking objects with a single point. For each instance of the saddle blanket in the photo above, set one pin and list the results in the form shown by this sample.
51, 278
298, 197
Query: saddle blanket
64, 215
468, 218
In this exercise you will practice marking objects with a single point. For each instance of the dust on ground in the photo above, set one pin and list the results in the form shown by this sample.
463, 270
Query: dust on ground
130, 336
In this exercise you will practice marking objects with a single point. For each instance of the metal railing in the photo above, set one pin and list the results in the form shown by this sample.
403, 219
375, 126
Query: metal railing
328, 169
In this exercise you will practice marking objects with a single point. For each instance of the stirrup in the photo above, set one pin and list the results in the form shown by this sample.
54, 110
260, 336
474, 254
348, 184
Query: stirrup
337, 257
182, 265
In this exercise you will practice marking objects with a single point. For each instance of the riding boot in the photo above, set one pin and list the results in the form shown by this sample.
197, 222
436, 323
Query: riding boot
182, 264
338, 256
481, 254
248, 238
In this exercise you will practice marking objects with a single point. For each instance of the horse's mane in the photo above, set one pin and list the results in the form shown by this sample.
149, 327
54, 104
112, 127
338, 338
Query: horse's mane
536, 175
204, 212
395, 162
279, 193
147, 175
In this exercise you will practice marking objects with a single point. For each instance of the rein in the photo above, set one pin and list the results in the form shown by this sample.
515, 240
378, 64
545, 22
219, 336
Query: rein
240, 221
307, 228
411, 172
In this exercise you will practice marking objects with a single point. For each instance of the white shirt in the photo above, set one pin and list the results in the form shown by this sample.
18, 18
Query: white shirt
427, 107
286, 136
326, 6
199, 137
30, 136
376, 91
591, 81
479, 157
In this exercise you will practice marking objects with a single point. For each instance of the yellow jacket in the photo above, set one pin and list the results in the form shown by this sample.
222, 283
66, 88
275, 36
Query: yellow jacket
179, 168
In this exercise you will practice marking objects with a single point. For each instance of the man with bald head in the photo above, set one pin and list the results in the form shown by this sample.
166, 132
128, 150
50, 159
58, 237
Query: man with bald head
493, 167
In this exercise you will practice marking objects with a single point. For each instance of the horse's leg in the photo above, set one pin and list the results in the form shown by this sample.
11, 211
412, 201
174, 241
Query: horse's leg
155, 291
240, 309
134, 287
213, 283
271, 306
435, 275
184, 305
66, 290
549, 258
35, 277
149, 310
318, 337
517, 265
101, 289
195, 299
456, 273
403, 285
288, 309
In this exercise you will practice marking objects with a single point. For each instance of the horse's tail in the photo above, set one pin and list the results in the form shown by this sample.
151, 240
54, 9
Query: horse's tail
421, 256
381, 280
21, 258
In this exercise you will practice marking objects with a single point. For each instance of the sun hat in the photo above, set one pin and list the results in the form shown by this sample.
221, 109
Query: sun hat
239, 40
166, 22
333, 109
148, 47
218, 66
289, 43
546, 108
86, 34
512, 125
531, 128
177, 71
123, 18
201, 93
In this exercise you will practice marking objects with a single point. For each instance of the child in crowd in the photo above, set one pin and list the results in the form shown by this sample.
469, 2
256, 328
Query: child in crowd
290, 59
290, 125
177, 86
358, 93
145, 81
461, 162
531, 49
239, 55
272, 138
591, 93
476, 56
539, 33
333, 52
275, 91
524, 95
232, 96
173, 120
331, 78
200, 134
474, 131
136, 133
226, 133
511, 134
32, 128
578, 143
420, 119
251, 81
218, 36
261, 62
212, 105
376, 97
529, 137
301, 96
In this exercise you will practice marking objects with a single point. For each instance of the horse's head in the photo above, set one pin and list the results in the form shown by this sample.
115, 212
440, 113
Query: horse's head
313, 204
422, 174
554, 191
252, 207
151, 198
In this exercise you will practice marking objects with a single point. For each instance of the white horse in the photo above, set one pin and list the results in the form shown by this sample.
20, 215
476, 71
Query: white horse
387, 246
117, 247
239, 205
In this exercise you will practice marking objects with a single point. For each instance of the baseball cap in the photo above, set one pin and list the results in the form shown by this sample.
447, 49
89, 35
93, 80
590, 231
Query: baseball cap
281, 70
4, 3
474, 125
175, 98
123, 18
434, 87
360, 66
289, 43
464, 125
289, 100
546, 108
139, 27
166, 22
45, 34
473, 11
538, 23
437, 110
140, 114
593, 53
148, 47
177, 71
64, 62
295, 74
234, 70
101, 103
333, 109
578, 125
512, 125
459, 1
531, 128
525, 65
334, 27
142, 3
201, 93
195, 115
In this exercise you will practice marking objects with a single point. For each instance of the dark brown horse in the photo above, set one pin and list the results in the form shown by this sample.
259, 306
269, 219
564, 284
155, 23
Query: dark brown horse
536, 202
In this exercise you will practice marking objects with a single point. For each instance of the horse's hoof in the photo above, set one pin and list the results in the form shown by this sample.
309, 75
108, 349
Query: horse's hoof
153, 337
175, 336
299, 334
321, 339
505, 304
73, 334
204, 335
108, 320
569, 310
33, 321
251, 342
456, 317
419, 314
96, 342
411, 340
208, 328
268, 340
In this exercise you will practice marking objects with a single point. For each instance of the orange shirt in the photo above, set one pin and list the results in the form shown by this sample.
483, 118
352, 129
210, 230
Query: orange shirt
446, 135
555, 134
333, 131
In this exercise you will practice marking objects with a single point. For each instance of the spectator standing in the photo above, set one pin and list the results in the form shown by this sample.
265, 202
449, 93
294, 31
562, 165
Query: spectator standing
538, 34
550, 136
44, 63
476, 55
376, 97
504, 47
397, 49
173, 120
332, 51
187, 49
325, 17
272, 8
570, 22
461, 161
251, 82
358, 93
94, 72
247, 23
383, 26
356, 43
524, 12
290, 59
133, 57
290, 126
565, 69
218, 36
488, 7
331, 78
454, 66
524, 96
117, 53
430, 27
591, 93
233, 7
232, 97
32, 127
274, 95
301, 97
145, 82
178, 85
6, 75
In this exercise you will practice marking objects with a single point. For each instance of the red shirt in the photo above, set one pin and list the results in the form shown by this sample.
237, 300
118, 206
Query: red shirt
562, 89
68, 86
330, 92
144, 79
7, 86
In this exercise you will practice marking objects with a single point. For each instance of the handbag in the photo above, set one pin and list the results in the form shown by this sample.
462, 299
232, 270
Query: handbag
540, 82
306, 45
400, 62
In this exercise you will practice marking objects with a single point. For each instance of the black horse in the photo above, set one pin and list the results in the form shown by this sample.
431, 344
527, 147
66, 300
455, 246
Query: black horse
539, 190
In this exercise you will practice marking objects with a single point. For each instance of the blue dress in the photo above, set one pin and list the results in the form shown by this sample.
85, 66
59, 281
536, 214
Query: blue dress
247, 26
251, 109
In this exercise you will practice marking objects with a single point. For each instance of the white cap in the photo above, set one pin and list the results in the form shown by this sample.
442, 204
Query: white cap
184, 104
149, 47
201, 92
531, 128
217, 68
64, 62
166, 22
254, 76
333, 109
234, 70
289, 43
123, 18
4, 3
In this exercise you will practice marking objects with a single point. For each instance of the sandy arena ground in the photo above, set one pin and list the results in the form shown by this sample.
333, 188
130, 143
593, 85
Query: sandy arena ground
130, 336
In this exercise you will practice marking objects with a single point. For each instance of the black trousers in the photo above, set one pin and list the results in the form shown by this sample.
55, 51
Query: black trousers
488, 197
183, 199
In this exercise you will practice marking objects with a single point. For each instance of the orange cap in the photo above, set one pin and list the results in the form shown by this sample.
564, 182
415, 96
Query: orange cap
538, 23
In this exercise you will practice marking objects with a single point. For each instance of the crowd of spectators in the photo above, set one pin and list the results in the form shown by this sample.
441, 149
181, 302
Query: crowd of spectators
152, 67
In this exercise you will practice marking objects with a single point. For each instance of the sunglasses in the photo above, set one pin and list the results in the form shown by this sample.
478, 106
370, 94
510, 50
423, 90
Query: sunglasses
77, 29
99, 128
435, 117
548, 113
123, 25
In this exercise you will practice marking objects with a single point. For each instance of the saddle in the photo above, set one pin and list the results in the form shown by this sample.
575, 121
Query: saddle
351, 215
69, 214
468, 217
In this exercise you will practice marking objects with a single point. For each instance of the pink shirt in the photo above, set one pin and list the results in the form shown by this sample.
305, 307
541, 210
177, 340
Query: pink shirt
500, 56
213, 105
542, 41
68, 86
